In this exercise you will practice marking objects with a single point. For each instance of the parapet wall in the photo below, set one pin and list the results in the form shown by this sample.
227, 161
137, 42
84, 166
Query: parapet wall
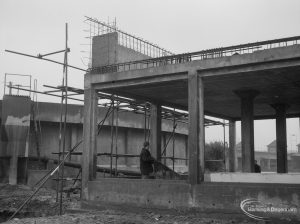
107, 51
204, 197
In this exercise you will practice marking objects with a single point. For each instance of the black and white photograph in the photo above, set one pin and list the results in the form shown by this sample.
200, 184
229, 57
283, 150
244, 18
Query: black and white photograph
150, 112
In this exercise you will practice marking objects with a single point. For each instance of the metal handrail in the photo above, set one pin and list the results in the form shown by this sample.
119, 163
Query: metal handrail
199, 55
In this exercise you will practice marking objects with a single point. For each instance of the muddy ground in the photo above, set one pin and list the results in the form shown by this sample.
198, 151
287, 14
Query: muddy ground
44, 209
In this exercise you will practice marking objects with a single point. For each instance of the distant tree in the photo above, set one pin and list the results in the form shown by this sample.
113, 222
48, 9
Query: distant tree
215, 151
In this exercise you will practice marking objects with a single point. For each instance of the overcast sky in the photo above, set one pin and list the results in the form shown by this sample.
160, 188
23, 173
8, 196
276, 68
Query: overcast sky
38, 26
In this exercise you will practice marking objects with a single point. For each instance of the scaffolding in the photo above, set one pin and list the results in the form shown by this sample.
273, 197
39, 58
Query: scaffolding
10, 83
113, 103
117, 104
94, 27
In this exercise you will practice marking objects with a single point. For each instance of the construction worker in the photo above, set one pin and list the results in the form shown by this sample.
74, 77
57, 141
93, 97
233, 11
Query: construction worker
256, 167
146, 162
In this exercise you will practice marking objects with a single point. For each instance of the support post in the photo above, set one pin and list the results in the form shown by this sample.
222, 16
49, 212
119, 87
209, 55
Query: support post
155, 131
89, 139
247, 125
232, 143
281, 140
196, 139
13, 165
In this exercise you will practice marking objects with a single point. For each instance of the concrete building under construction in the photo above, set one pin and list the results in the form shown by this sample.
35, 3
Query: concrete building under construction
245, 82
238, 83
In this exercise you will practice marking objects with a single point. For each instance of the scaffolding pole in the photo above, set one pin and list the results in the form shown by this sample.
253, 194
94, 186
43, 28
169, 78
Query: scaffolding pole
112, 134
65, 83
116, 147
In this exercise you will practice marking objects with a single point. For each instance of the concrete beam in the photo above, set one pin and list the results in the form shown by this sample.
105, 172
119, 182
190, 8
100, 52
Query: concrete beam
252, 66
269, 117
155, 131
89, 159
281, 142
170, 104
131, 81
247, 125
196, 139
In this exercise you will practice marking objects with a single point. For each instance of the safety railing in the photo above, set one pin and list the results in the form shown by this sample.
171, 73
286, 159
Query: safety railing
200, 55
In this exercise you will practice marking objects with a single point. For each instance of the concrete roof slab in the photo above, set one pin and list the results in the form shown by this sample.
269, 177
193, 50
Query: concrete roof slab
275, 73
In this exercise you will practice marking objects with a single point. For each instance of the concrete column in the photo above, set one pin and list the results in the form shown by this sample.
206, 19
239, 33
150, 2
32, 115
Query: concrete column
13, 165
281, 143
247, 125
89, 138
232, 143
15, 124
155, 131
196, 139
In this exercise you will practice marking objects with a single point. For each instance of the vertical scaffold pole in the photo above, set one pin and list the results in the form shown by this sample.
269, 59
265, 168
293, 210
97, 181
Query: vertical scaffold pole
224, 144
65, 119
173, 146
117, 125
112, 134
145, 122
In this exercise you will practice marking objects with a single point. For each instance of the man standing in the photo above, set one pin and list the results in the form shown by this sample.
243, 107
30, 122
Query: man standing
256, 167
146, 162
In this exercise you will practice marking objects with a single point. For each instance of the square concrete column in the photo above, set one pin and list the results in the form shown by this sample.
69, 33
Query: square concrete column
196, 139
155, 131
13, 165
89, 138
232, 143
247, 125
281, 142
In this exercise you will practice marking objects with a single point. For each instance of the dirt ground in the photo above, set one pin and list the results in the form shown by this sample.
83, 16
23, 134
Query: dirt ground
44, 209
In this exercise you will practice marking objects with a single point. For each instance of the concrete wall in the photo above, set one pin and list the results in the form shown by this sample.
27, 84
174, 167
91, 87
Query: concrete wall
15, 124
50, 112
278, 178
4, 169
130, 136
34, 176
107, 51
206, 197
170, 194
104, 49
125, 54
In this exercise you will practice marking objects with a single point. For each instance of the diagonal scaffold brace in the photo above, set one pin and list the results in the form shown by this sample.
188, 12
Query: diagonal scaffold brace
40, 184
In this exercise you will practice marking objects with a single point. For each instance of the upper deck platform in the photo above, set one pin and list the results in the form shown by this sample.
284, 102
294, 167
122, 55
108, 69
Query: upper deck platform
273, 71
